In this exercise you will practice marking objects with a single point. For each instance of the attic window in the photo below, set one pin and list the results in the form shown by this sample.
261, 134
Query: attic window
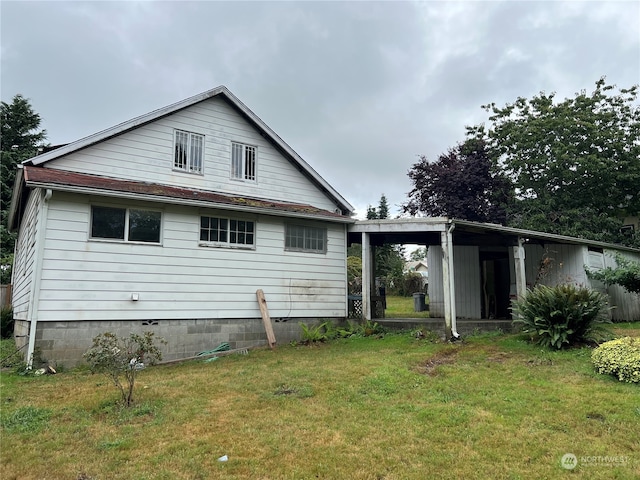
188, 151
243, 162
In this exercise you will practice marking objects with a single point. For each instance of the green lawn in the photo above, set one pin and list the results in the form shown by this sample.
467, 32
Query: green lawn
395, 407
403, 307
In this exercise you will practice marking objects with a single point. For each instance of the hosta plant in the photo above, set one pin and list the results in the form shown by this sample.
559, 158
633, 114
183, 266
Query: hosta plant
563, 315
620, 357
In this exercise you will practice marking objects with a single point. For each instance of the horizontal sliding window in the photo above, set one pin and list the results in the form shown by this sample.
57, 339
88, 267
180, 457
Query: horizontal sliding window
306, 239
227, 231
125, 224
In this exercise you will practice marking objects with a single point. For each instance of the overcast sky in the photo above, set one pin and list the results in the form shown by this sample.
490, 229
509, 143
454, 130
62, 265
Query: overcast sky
358, 89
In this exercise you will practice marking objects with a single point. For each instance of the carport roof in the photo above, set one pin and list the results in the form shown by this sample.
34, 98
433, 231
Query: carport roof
426, 231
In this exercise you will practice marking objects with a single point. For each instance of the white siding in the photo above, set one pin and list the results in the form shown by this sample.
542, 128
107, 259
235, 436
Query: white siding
555, 264
466, 267
23, 265
146, 154
566, 265
84, 280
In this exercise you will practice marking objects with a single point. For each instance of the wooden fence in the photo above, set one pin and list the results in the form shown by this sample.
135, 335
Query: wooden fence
5, 296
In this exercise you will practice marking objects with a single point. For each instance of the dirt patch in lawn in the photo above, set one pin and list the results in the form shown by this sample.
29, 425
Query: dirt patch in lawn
443, 357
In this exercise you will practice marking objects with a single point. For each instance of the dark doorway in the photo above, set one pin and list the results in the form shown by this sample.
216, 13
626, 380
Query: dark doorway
495, 283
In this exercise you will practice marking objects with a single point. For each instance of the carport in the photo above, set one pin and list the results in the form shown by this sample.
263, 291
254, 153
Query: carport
493, 245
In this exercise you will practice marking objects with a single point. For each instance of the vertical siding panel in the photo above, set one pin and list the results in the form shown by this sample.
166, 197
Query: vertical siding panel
466, 266
626, 305
436, 292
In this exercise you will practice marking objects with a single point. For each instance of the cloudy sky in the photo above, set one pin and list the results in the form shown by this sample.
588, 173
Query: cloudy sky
358, 89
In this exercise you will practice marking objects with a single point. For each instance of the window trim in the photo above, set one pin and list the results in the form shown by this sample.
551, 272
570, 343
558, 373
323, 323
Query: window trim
126, 240
306, 228
243, 173
227, 243
189, 166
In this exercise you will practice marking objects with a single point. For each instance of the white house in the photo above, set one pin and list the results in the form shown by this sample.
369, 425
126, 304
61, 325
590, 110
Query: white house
171, 222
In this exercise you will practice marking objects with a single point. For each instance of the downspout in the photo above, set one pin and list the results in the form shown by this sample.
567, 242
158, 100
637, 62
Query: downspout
42, 233
452, 281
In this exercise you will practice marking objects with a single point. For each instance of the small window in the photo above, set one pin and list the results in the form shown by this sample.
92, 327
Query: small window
306, 239
126, 224
189, 150
227, 231
243, 162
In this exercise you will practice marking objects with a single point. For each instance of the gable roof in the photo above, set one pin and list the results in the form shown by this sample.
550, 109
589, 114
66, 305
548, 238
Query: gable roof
224, 93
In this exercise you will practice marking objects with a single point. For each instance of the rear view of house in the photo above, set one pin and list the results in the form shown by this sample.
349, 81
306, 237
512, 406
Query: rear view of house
171, 222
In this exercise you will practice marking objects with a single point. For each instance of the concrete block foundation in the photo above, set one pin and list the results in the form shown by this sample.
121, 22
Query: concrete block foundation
63, 343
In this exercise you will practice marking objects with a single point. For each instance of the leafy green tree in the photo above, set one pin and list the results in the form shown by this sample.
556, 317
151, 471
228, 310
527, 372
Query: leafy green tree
20, 139
575, 164
418, 254
463, 183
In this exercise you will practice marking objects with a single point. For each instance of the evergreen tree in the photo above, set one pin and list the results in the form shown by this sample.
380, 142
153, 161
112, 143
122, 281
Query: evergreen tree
20, 139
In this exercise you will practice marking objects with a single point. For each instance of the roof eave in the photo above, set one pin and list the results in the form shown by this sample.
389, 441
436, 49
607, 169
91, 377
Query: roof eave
188, 202
16, 194
553, 237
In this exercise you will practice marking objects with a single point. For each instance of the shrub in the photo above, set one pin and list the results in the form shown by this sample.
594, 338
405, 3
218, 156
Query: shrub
123, 357
314, 333
563, 315
6, 322
620, 357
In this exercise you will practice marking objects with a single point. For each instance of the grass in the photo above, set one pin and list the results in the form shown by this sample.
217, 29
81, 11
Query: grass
10, 356
493, 406
402, 307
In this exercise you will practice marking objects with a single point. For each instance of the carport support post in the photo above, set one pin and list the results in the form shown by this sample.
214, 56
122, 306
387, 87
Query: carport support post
447, 283
521, 277
367, 276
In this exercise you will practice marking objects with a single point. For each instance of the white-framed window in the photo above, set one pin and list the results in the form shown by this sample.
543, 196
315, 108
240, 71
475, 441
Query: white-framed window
303, 238
188, 151
220, 231
243, 162
125, 224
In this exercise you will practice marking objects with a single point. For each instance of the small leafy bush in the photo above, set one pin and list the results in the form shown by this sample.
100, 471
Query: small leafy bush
6, 322
123, 357
563, 315
620, 357
316, 333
